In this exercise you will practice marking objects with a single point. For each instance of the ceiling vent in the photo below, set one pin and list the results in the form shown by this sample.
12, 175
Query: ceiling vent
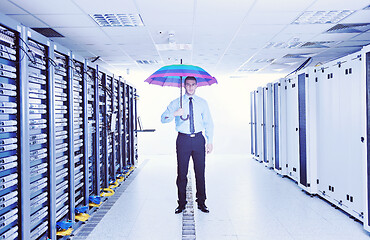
316, 44
146, 62
118, 20
350, 28
322, 17
48, 32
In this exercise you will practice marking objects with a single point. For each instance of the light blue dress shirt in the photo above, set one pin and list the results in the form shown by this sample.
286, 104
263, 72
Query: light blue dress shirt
202, 116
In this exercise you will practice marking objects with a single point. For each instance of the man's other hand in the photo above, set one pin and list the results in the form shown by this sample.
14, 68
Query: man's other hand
209, 148
179, 112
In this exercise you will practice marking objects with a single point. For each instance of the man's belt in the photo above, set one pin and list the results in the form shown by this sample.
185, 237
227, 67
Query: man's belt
191, 135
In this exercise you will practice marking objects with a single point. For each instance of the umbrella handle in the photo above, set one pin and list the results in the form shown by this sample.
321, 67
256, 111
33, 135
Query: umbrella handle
186, 118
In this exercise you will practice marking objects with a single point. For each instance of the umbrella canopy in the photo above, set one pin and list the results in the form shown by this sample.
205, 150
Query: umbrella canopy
171, 75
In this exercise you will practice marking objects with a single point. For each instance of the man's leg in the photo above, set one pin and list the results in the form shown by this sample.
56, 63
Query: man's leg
183, 150
199, 156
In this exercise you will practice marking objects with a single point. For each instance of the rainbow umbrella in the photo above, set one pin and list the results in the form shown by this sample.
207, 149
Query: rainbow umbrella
171, 75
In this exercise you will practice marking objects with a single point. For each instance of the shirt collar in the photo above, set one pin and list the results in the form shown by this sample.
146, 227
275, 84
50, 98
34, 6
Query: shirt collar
187, 96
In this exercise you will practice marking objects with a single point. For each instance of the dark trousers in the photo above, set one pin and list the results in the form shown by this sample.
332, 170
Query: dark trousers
187, 146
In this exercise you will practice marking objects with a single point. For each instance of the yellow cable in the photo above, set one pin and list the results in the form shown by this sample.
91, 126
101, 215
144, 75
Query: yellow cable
107, 192
65, 232
82, 217
114, 185
94, 205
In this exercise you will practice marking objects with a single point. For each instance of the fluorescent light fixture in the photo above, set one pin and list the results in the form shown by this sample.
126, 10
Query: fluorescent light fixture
146, 62
118, 20
322, 17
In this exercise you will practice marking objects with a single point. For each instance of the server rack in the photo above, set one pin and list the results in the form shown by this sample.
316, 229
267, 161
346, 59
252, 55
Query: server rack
276, 128
109, 178
10, 146
252, 123
115, 129
39, 106
103, 123
66, 174
80, 133
122, 126
135, 98
292, 128
259, 124
49, 135
282, 117
307, 131
268, 113
340, 88
127, 127
93, 130
366, 138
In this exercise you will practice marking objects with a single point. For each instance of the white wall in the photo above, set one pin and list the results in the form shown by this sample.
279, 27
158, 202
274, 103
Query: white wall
229, 102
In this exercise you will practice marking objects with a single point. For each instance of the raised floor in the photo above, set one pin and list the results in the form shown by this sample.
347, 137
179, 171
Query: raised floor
246, 202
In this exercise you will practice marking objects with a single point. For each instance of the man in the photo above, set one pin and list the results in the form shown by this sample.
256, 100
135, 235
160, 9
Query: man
190, 141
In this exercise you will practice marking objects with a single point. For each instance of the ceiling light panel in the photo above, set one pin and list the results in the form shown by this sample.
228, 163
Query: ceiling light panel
118, 20
322, 17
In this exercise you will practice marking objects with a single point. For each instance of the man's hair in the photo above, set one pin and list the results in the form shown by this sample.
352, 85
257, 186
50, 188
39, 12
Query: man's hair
190, 78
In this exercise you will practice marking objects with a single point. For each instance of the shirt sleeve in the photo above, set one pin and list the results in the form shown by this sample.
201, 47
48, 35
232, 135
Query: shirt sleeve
208, 123
168, 116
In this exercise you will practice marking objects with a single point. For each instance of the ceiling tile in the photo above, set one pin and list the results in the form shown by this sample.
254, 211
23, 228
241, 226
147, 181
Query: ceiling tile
165, 6
327, 5
362, 16
112, 6
29, 21
277, 17
168, 19
68, 20
9, 8
48, 7
80, 32
283, 5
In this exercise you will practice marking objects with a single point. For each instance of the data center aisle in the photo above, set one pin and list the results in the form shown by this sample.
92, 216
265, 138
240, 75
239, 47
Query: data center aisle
246, 201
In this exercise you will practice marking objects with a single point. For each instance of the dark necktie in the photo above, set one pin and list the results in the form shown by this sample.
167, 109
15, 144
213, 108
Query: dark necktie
191, 114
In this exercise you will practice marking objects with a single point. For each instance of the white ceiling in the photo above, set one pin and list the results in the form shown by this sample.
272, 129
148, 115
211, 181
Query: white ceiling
228, 37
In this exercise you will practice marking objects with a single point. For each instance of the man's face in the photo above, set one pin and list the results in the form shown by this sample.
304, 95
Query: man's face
190, 86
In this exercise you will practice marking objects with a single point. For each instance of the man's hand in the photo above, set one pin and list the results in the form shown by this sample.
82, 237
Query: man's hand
209, 148
179, 112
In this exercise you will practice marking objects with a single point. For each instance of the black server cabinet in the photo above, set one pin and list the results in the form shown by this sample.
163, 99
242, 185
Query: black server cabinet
123, 129
93, 134
9, 133
109, 177
103, 123
40, 177
131, 126
80, 132
114, 128
63, 128
134, 127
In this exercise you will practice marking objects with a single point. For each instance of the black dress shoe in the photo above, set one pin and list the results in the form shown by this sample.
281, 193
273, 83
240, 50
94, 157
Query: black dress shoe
202, 207
179, 209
